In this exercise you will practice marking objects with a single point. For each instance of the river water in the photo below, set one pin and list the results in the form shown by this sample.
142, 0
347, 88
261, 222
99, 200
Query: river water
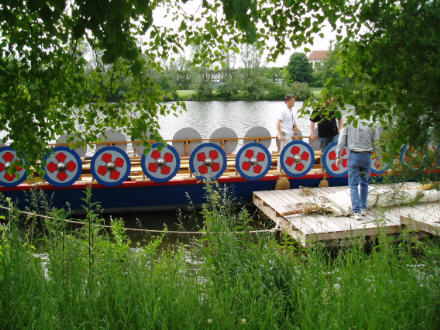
240, 116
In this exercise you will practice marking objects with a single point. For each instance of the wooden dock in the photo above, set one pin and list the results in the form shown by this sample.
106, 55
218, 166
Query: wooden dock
285, 208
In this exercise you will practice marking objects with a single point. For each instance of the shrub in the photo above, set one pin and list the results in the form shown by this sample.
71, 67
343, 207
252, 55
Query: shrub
301, 90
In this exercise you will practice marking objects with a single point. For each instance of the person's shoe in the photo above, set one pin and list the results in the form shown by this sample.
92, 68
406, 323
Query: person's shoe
364, 212
356, 216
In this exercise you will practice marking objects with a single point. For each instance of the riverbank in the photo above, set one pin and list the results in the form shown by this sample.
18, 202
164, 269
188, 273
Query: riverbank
91, 278
191, 95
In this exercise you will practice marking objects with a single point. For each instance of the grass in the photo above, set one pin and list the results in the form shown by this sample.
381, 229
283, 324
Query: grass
186, 94
316, 91
238, 281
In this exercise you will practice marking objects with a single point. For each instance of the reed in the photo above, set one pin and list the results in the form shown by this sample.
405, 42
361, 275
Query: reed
225, 281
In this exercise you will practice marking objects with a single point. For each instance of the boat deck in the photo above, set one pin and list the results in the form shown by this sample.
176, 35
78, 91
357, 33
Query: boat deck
286, 207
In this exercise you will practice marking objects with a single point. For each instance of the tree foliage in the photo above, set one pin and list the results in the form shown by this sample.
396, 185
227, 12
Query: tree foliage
299, 68
328, 70
45, 82
388, 57
390, 69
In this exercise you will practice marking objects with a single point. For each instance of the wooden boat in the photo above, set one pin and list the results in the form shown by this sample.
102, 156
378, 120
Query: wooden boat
170, 175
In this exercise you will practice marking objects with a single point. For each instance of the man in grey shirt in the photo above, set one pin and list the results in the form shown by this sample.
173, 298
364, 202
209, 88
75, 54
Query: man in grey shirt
359, 142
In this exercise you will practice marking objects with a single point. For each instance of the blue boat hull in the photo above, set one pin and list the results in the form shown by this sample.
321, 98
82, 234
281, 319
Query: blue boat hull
146, 195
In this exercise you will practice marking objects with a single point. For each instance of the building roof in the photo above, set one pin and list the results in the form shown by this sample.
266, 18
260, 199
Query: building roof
319, 55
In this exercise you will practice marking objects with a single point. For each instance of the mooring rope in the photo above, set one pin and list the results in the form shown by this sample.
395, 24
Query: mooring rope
154, 231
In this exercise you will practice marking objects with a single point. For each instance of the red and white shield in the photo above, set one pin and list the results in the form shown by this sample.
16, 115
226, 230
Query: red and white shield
208, 161
297, 158
378, 166
63, 167
253, 161
410, 157
110, 166
161, 164
329, 161
8, 178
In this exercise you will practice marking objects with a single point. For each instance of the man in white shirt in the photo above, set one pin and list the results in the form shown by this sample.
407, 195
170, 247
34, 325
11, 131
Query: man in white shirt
286, 122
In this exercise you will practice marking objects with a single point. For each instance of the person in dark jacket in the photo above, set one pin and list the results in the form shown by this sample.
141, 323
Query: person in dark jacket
328, 126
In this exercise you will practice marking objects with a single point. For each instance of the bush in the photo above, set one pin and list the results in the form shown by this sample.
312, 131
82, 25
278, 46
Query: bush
301, 90
276, 92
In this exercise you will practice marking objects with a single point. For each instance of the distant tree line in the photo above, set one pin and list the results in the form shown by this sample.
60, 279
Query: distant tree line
251, 81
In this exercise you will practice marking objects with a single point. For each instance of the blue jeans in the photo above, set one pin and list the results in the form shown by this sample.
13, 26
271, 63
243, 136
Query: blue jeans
324, 141
358, 176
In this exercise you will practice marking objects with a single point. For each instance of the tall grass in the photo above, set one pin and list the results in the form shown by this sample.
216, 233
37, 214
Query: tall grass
242, 281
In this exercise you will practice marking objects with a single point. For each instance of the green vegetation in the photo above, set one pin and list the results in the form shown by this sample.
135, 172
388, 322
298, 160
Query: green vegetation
77, 68
186, 94
88, 278
316, 91
396, 88
299, 68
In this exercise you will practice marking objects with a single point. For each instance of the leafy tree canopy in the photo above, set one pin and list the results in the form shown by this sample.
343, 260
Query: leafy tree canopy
299, 68
388, 67
48, 89
389, 51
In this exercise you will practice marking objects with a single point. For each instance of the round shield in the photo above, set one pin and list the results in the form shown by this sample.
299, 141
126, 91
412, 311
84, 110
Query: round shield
139, 146
377, 166
80, 151
7, 156
225, 138
410, 157
110, 166
112, 138
297, 158
63, 167
437, 154
258, 134
186, 140
329, 161
208, 161
161, 164
253, 161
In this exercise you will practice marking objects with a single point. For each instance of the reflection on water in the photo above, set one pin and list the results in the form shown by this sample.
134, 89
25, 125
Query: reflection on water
240, 116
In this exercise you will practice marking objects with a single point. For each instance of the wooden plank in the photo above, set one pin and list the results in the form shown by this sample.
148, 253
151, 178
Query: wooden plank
270, 199
431, 228
405, 211
351, 224
284, 225
298, 196
427, 212
305, 224
333, 230
267, 200
326, 228
284, 197
381, 218
322, 224
297, 200
347, 222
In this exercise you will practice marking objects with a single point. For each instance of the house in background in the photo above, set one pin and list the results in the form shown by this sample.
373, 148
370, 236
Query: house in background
318, 57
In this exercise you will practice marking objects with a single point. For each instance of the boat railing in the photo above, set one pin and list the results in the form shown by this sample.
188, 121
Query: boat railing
184, 156
221, 140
